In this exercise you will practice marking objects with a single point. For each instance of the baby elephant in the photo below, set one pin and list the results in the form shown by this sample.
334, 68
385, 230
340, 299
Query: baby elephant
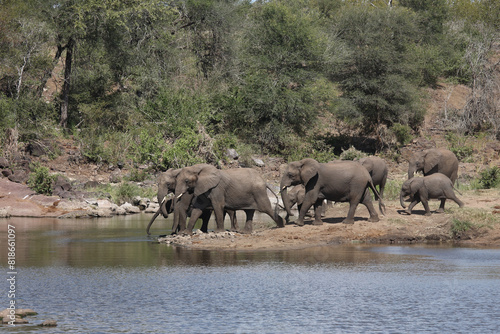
421, 189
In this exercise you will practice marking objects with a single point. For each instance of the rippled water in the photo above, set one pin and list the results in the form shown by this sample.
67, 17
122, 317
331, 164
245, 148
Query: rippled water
105, 276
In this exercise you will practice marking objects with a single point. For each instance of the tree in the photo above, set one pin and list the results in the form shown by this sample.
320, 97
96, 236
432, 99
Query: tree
376, 79
280, 57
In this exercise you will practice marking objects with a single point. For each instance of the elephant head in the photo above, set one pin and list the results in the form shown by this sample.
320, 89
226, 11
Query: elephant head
297, 172
197, 179
424, 161
410, 188
166, 185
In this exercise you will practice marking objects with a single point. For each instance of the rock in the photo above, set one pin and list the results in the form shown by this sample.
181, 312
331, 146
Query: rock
4, 163
129, 208
91, 184
231, 153
19, 176
105, 204
61, 185
48, 323
115, 177
6, 172
4, 213
258, 162
120, 211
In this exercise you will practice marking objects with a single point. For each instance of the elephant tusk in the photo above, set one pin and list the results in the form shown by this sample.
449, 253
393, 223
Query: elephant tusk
283, 189
180, 196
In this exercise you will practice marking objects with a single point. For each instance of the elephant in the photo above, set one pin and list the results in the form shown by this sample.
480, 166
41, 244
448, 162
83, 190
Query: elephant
296, 195
167, 182
340, 182
434, 160
232, 189
421, 189
378, 171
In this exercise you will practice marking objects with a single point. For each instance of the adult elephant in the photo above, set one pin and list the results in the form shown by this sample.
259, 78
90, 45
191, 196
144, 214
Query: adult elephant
377, 168
339, 182
434, 160
233, 189
167, 182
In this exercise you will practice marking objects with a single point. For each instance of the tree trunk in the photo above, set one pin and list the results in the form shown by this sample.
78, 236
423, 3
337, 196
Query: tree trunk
66, 86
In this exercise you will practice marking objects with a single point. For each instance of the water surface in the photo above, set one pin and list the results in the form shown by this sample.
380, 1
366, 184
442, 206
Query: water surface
106, 276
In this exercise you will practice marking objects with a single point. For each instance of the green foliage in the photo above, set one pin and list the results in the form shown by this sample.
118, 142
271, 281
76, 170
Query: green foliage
137, 175
392, 189
351, 154
377, 79
402, 132
125, 192
183, 151
458, 145
490, 177
40, 180
281, 52
459, 227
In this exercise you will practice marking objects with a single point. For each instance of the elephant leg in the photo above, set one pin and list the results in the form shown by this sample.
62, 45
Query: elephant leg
249, 221
205, 217
350, 214
318, 212
367, 201
195, 214
425, 203
233, 219
441, 206
412, 204
219, 217
309, 200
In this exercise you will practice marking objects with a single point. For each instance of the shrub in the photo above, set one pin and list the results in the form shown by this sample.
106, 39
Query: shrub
40, 180
490, 177
458, 146
351, 154
125, 192
458, 227
402, 132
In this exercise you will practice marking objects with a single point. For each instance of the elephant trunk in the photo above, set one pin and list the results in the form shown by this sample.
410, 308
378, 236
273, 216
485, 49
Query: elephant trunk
411, 171
152, 220
286, 200
401, 199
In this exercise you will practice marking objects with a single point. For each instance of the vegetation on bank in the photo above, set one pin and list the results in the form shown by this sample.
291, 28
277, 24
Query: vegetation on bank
178, 82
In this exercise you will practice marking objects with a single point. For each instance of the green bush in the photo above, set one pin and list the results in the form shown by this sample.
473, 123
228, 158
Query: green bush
351, 154
459, 146
490, 177
402, 132
40, 180
458, 227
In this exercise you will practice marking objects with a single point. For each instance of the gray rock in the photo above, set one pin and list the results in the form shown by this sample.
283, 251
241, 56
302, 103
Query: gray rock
48, 323
258, 162
231, 153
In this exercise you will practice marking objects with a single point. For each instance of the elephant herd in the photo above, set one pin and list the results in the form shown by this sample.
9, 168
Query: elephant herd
197, 191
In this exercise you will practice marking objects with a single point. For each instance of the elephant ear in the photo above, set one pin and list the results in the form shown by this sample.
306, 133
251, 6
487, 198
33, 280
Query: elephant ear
431, 160
208, 178
367, 163
308, 170
415, 185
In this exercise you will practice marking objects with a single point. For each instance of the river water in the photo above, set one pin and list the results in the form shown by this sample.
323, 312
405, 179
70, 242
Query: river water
106, 276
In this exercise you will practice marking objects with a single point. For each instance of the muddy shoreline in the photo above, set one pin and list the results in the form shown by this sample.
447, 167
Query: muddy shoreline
482, 209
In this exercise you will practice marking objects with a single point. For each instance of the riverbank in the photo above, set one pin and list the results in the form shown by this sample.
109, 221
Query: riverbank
476, 225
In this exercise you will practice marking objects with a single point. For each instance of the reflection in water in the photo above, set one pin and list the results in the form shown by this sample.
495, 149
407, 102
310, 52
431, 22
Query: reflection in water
105, 275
